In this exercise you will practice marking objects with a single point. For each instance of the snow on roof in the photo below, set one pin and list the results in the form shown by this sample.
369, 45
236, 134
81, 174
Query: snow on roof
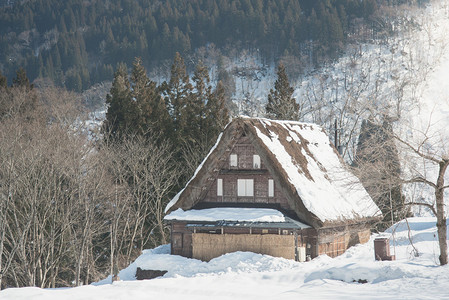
227, 214
325, 186
304, 157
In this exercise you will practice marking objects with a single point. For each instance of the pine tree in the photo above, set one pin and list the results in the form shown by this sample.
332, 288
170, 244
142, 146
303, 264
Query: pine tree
151, 116
22, 80
175, 95
216, 111
281, 105
121, 110
195, 112
28, 105
377, 162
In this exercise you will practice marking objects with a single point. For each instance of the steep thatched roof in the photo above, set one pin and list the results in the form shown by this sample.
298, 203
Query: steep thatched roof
305, 166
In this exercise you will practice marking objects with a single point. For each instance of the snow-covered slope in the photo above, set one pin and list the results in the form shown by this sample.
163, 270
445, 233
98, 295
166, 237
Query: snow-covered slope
245, 275
425, 125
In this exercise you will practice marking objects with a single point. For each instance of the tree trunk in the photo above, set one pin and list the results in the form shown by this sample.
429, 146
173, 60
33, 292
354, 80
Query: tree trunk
441, 227
441, 216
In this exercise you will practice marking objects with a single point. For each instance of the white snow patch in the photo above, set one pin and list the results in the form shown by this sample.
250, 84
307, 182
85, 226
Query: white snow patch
333, 193
246, 275
227, 214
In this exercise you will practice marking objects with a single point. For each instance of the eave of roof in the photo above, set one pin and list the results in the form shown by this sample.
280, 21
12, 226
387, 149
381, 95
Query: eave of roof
287, 224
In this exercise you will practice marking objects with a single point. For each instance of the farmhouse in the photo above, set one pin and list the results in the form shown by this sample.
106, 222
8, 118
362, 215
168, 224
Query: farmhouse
270, 187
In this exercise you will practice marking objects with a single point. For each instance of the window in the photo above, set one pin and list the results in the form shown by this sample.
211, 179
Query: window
245, 187
270, 188
219, 187
256, 161
233, 160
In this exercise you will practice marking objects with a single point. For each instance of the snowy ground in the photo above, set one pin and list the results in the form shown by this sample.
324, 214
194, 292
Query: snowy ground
244, 275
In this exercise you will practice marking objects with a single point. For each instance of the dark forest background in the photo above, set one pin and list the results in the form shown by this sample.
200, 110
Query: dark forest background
77, 43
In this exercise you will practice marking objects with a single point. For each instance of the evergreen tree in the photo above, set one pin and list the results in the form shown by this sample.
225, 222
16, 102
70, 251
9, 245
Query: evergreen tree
22, 80
281, 105
20, 92
73, 81
120, 114
151, 115
195, 111
216, 110
377, 162
205, 116
136, 106
175, 95
142, 89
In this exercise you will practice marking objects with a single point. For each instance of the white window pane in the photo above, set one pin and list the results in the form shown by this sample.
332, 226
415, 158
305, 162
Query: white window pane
249, 187
256, 161
233, 160
241, 188
270, 188
219, 187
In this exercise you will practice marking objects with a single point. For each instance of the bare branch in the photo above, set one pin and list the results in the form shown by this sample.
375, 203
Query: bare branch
421, 180
419, 153
432, 208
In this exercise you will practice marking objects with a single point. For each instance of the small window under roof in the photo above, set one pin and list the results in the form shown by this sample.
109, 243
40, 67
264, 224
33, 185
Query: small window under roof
233, 161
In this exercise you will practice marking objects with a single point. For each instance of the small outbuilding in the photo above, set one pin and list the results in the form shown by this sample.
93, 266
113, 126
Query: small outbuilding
271, 187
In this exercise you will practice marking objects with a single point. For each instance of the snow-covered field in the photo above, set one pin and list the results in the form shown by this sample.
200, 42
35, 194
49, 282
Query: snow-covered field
245, 275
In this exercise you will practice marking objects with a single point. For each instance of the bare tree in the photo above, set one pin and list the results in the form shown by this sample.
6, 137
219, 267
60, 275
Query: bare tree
47, 181
426, 155
144, 175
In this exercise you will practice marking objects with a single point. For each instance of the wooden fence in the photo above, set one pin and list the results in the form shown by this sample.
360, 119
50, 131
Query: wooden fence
207, 246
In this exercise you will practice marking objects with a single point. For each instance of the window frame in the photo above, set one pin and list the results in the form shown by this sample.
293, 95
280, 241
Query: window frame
233, 160
245, 187
256, 161
270, 188
220, 187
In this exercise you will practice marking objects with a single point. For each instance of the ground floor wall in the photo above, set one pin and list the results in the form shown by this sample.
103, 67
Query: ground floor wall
335, 241
206, 243
207, 246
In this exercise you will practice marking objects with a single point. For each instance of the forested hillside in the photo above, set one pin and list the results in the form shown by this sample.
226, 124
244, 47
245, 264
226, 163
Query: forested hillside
77, 43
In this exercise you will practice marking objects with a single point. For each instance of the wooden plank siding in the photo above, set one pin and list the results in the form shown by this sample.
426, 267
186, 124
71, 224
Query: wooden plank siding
335, 241
208, 246
245, 152
183, 242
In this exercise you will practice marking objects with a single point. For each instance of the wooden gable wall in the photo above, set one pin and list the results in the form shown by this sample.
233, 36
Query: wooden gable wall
230, 175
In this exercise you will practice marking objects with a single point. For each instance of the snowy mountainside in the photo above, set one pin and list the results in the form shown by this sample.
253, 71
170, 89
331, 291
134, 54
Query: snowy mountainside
404, 78
370, 80
245, 275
